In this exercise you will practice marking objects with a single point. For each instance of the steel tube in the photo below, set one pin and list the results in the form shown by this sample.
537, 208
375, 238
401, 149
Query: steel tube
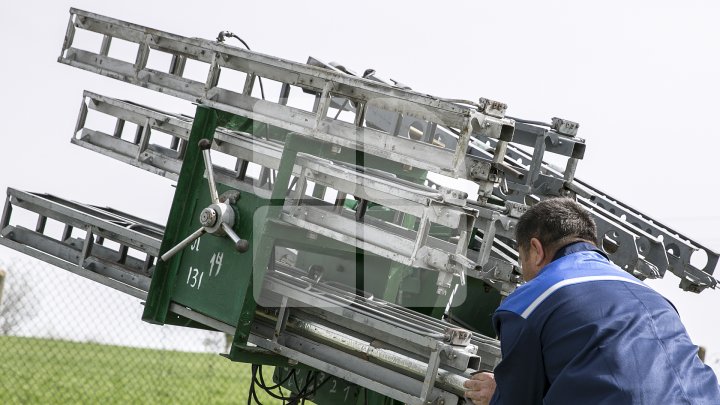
445, 380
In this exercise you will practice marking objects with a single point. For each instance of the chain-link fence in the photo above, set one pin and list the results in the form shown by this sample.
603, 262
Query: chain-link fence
65, 339
68, 340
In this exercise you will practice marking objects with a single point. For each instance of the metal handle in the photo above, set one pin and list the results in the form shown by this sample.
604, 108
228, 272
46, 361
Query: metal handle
204, 146
241, 245
170, 253
212, 214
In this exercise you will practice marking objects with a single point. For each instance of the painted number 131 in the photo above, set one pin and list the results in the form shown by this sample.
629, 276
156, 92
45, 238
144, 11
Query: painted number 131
195, 277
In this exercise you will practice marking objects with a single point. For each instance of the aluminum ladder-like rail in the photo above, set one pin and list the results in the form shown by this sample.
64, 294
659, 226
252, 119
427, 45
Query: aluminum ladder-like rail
636, 248
634, 241
316, 123
385, 238
419, 360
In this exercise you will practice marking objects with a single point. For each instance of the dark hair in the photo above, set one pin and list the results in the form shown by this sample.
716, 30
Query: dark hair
555, 221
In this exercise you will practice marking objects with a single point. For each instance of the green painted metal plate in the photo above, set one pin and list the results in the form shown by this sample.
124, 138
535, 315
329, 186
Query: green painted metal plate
212, 274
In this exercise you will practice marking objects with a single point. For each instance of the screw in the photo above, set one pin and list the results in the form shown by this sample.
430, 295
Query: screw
208, 217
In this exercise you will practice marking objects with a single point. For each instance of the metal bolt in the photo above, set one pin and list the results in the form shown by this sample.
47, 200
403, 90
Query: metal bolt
208, 217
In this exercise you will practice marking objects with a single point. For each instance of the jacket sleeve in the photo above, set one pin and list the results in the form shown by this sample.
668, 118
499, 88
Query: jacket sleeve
520, 375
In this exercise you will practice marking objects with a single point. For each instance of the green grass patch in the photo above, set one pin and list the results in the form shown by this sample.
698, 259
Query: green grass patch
42, 371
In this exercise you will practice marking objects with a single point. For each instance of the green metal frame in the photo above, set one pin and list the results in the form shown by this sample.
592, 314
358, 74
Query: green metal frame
210, 276
226, 289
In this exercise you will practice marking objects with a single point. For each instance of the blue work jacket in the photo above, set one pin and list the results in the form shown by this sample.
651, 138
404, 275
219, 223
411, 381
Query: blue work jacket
585, 332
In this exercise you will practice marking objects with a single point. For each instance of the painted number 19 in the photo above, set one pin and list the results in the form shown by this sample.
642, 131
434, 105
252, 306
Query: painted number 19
216, 260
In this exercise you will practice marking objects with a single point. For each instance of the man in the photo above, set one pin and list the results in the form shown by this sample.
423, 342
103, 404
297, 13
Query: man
582, 331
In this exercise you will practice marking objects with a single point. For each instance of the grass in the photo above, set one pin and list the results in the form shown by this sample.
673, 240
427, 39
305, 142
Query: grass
41, 371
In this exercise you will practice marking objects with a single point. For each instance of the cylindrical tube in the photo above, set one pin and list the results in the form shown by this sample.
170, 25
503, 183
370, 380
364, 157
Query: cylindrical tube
445, 380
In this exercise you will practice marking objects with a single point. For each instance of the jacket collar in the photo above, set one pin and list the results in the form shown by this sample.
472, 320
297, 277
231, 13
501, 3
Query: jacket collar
575, 247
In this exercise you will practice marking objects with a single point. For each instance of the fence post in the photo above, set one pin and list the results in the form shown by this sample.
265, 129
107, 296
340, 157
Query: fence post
2, 283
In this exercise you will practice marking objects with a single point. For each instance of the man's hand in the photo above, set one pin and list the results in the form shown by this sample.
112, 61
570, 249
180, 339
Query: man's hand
480, 388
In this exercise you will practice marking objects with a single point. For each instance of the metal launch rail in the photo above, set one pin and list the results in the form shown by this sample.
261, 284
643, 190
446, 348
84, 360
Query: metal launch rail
322, 225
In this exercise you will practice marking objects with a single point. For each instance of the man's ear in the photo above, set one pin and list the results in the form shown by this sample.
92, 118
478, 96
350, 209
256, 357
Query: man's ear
537, 252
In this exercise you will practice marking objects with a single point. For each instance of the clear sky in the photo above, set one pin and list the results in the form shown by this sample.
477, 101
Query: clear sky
640, 77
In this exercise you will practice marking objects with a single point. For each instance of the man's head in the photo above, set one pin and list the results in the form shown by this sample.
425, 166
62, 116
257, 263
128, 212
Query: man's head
548, 226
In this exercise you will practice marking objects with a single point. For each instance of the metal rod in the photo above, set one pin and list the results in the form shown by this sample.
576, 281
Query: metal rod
210, 176
371, 350
170, 253
241, 244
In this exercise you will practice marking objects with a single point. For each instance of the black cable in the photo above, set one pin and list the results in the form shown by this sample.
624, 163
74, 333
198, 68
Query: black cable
261, 383
308, 394
316, 388
304, 393
296, 382
251, 392
230, 34
262, 380
531, 122
255, 397
249, 398
221, 38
